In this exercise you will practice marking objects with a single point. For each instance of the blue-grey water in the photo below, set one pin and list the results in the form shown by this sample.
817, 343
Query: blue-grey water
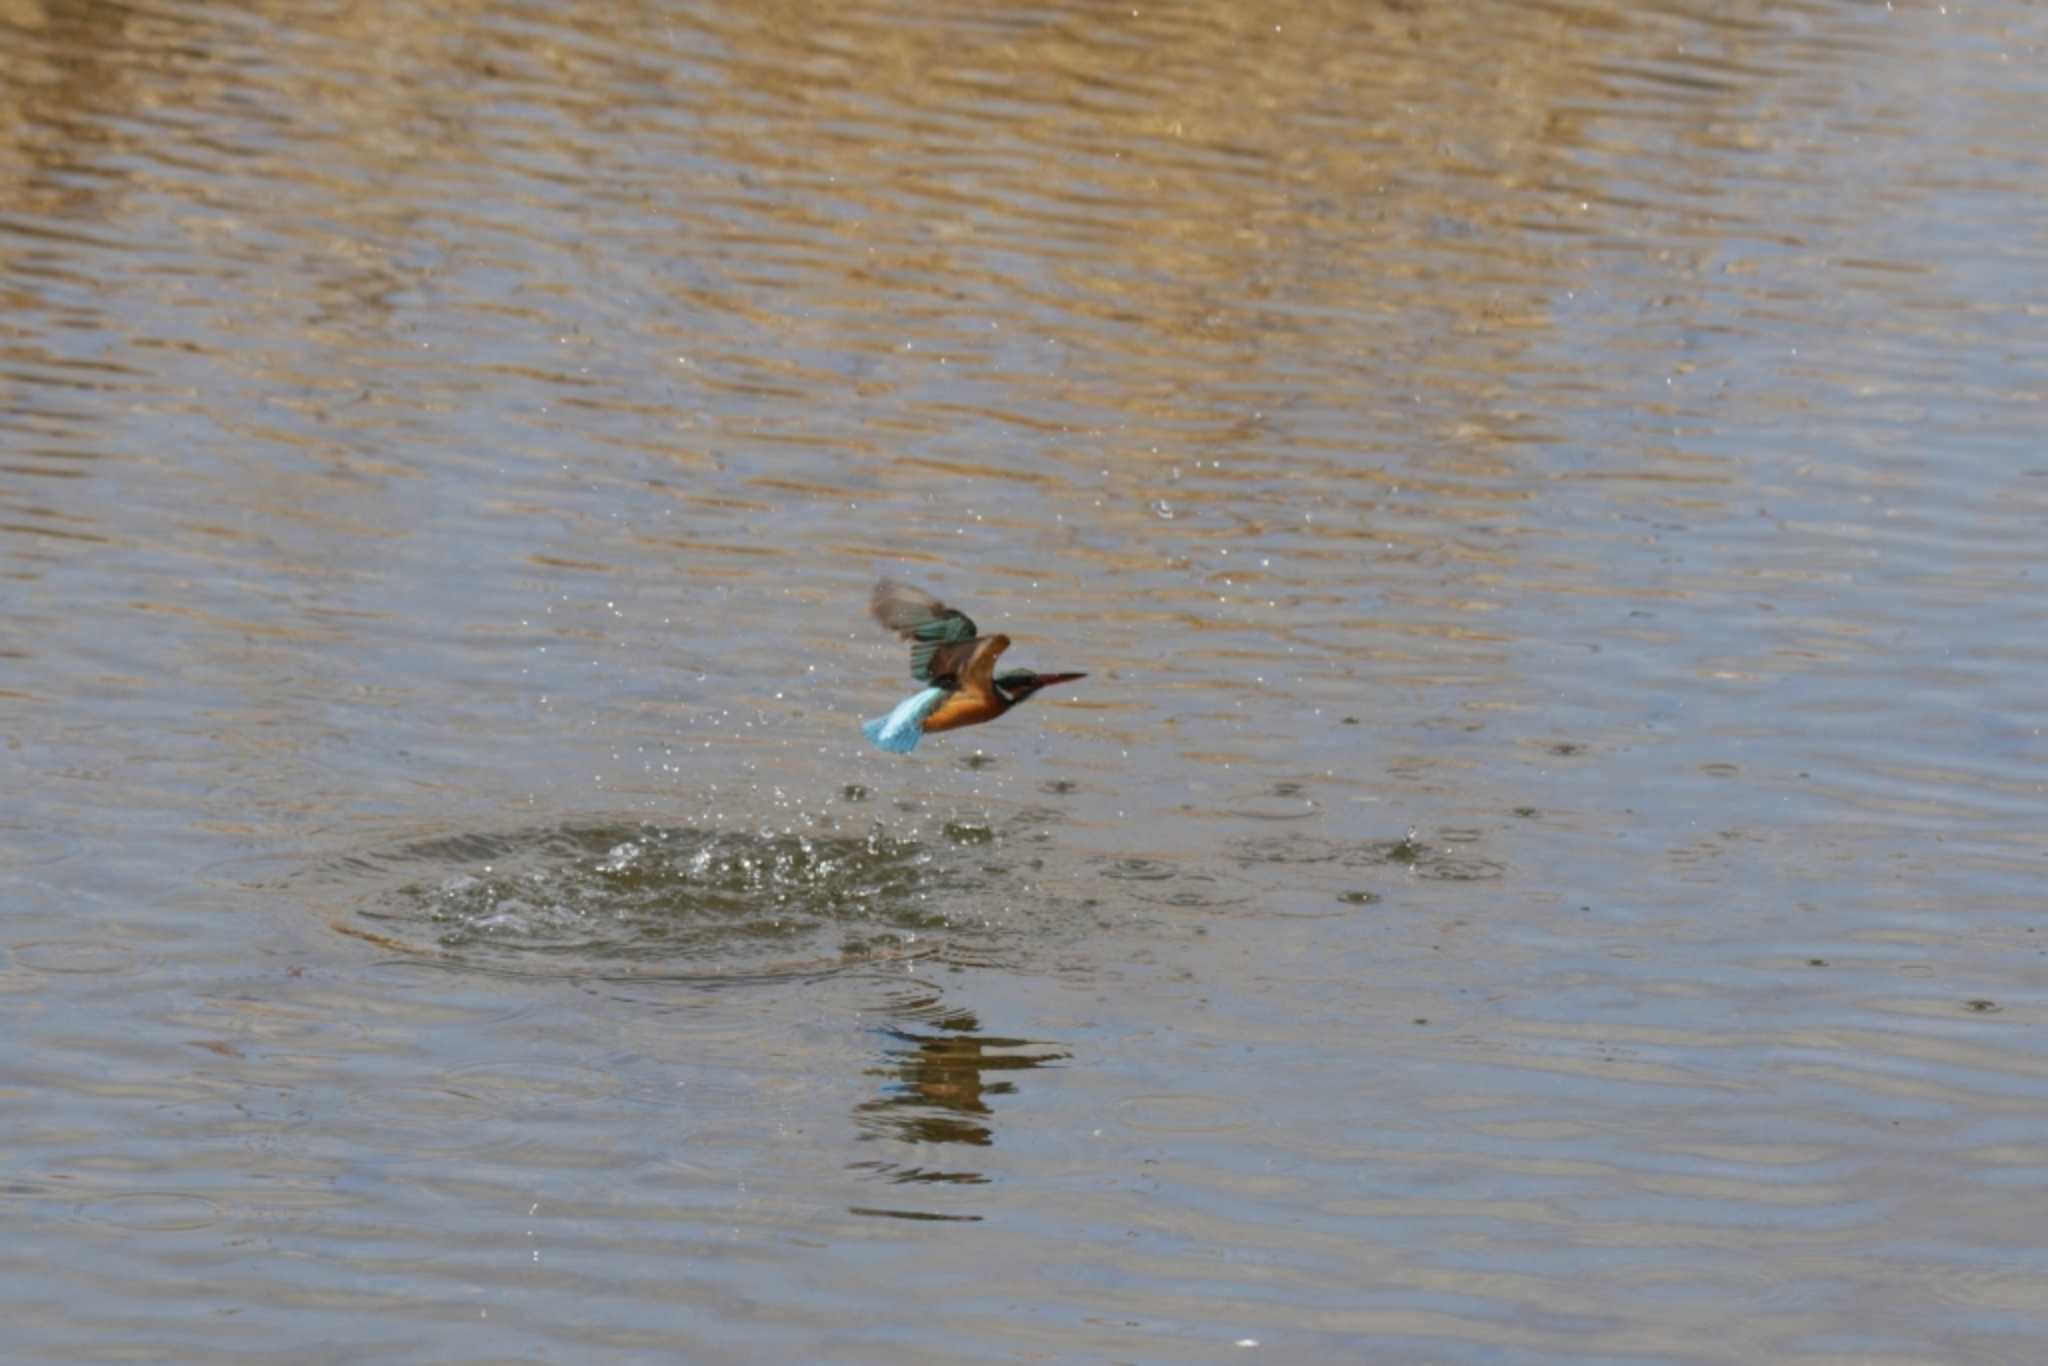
1550, 862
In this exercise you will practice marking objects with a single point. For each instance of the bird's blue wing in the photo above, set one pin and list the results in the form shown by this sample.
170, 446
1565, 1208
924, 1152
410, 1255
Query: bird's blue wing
901, 729
941, 637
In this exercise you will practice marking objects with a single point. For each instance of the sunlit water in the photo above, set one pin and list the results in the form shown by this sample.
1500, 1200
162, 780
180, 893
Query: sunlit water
1547, 864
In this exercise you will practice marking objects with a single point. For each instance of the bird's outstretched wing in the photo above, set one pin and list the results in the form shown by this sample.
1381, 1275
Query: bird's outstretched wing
941, 637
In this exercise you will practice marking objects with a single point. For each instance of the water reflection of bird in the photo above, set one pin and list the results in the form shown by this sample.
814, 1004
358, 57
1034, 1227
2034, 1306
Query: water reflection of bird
956, 665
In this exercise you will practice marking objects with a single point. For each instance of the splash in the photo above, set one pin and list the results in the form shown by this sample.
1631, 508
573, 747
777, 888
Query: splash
649, 900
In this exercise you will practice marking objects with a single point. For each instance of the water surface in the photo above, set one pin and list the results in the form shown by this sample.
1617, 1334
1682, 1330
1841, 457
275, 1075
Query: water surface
1547, 864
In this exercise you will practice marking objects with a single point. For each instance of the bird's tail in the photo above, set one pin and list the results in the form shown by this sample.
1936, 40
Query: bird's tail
901, 729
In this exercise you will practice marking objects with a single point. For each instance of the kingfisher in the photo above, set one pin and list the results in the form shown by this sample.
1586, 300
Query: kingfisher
957, 665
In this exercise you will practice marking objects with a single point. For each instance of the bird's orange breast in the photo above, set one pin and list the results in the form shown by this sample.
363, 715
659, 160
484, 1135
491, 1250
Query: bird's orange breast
964, 708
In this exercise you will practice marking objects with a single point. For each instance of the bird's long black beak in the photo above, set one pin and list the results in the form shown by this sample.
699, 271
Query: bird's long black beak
1047, 680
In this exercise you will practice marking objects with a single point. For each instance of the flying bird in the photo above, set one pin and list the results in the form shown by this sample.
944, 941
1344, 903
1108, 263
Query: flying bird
956, 665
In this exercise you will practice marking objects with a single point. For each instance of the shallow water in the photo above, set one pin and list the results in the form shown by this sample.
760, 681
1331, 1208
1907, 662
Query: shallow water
1547, 865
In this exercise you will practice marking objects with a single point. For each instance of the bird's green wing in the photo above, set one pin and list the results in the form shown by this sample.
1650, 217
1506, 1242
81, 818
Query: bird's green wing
941, 638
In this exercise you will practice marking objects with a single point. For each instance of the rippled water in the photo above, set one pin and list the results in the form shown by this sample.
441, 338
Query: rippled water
1547, 864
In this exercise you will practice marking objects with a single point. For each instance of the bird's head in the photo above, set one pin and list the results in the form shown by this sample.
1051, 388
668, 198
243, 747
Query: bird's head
1017, 685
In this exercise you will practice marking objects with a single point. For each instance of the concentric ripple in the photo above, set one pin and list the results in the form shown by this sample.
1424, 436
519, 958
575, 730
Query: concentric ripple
1435, 863
1190, 889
